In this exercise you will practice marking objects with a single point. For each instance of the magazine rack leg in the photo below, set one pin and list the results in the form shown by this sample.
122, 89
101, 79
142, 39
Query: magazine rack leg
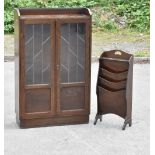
98, 116
125, 124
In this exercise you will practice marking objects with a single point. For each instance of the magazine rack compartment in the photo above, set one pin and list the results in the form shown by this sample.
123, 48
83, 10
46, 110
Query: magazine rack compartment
111, 85
107, 104
113, 66
112, 76
114, 85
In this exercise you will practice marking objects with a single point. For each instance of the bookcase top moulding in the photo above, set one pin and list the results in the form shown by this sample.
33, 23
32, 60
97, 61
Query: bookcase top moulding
53, 11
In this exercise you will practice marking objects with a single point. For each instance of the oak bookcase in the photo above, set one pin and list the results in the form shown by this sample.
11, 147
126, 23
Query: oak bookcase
52, 66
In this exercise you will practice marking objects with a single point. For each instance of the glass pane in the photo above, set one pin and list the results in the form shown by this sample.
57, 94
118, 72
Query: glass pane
72, 58
37, 53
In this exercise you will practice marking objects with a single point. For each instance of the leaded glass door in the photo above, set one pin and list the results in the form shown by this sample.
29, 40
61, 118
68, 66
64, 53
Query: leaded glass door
73, 66
38, 65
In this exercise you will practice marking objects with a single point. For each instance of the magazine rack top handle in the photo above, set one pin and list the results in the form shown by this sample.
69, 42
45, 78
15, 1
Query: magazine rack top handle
116, 54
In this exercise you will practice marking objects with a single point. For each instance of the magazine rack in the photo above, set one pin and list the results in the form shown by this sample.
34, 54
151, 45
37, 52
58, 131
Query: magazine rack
114, 85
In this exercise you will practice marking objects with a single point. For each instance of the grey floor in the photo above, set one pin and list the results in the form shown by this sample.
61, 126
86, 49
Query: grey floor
106, 138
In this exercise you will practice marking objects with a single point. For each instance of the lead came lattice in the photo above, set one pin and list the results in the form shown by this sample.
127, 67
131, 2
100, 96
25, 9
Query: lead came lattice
72, 52
37, 53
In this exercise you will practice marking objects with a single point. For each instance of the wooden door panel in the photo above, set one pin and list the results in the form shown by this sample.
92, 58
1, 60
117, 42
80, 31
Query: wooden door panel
38, 67
72, 98
38, 100
73, 59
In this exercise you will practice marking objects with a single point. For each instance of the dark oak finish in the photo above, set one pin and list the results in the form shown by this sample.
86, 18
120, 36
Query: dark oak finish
52, 66
114, 85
